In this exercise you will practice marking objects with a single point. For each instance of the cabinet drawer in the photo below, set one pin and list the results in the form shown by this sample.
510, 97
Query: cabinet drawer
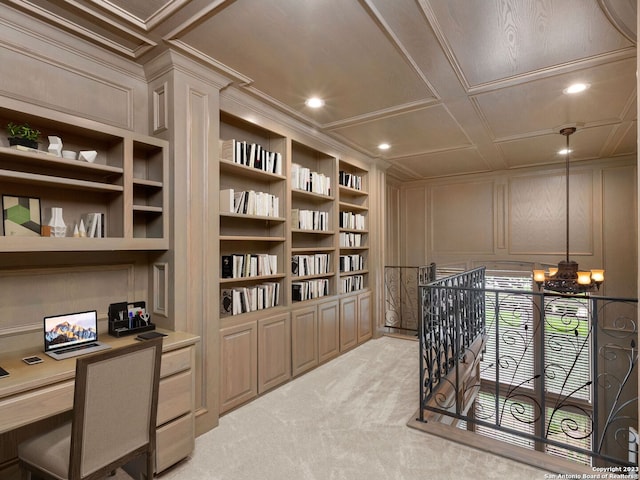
174, 441
29, 407
175, 361
175, 397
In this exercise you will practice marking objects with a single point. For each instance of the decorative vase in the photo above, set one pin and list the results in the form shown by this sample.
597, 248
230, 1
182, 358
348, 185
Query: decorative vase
58, 227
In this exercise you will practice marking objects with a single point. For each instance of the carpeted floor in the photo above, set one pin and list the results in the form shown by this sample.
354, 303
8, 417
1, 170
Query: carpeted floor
345, 420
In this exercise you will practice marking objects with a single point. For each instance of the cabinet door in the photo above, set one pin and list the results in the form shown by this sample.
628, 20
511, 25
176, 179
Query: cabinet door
239, 365
274, 351
328, 331
304, 339
348, 322
365, 329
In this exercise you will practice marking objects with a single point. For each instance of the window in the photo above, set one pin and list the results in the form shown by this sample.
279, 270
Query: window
520, 358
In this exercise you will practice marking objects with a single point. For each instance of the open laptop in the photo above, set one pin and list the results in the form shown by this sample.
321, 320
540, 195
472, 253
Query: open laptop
72, 334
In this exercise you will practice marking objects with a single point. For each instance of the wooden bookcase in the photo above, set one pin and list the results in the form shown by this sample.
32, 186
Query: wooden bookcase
354, 200
126, 182
316, 238
262, 349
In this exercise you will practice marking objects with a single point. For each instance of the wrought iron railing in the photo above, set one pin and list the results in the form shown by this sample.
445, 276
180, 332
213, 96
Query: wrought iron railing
558, 374
402, 305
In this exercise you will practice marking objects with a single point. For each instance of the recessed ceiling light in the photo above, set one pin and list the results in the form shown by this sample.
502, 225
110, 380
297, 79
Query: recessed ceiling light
314, 102
384, 146
575, 88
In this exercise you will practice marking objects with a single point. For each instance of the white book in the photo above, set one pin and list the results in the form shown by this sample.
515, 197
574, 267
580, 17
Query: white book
227, 199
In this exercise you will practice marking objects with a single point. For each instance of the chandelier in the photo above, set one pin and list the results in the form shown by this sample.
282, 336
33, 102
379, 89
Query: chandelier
567, 278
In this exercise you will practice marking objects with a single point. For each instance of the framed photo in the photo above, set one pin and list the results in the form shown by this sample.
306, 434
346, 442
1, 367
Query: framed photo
21, 216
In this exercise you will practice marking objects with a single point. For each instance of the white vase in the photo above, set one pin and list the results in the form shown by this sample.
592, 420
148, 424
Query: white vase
58, 227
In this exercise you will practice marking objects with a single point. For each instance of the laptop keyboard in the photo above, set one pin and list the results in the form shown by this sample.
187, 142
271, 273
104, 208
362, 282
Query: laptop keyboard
75, 349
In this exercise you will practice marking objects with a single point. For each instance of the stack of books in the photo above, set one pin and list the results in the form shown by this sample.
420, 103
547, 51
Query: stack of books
235, 301
242, 265
251, 155
249, 203
302, 178
309, 289
350, 180
314, 264
309, 219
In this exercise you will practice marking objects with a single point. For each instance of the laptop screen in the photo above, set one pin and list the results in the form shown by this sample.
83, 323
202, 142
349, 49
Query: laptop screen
61, 331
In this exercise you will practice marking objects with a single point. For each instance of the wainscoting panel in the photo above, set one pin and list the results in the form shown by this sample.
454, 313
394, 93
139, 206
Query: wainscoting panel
537, 215
27, 296
462, 218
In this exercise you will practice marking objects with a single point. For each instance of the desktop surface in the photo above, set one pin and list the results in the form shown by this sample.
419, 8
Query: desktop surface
34, 392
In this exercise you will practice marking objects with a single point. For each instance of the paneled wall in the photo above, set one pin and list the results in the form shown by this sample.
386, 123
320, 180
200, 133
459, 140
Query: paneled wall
517, 219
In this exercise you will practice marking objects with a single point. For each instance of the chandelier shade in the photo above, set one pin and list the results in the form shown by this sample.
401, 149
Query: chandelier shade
567, 277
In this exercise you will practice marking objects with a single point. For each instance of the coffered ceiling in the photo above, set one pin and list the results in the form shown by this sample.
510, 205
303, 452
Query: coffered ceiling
454, 86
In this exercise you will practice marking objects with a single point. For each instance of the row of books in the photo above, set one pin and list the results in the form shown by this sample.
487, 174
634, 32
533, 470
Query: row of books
314, 264
349, 239
351, 263
309, 219
249, 265
251, 155
234, 301
354, 221
309, 289
302, 178
351, 283
350, 180
249, 203
95, 225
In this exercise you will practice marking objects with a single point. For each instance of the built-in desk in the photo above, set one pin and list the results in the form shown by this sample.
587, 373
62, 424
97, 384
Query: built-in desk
35, 392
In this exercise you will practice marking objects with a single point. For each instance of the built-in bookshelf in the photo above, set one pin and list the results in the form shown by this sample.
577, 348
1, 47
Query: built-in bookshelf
313, 223
252, 194
293, 235
119, 181
353, 227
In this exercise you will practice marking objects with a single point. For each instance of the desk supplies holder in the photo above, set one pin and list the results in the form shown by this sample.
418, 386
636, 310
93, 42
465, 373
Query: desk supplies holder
128, 318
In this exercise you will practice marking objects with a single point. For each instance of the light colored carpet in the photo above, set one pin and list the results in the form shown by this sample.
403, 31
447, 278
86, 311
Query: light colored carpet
345, 420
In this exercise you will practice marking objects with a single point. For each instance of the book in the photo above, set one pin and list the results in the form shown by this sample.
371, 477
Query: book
226, 302
227, 200
227, 266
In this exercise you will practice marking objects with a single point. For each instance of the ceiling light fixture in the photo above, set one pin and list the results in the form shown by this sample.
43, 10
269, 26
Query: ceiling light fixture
314, 102
566, 278
384, 146
575, 88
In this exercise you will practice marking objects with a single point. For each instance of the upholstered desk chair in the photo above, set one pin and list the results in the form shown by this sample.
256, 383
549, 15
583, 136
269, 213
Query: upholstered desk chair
114, 417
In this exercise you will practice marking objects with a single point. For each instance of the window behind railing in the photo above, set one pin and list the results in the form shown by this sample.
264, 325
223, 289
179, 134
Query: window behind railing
558, 373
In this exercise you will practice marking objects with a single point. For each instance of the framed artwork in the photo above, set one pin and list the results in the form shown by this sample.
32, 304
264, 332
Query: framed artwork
21, 216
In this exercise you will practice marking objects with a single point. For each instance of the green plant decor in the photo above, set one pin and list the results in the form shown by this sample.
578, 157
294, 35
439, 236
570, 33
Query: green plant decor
23, 135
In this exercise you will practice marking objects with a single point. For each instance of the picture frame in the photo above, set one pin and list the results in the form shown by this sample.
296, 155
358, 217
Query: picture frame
22, 216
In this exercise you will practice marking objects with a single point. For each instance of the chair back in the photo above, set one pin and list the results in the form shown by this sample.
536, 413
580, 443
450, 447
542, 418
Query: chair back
115, 406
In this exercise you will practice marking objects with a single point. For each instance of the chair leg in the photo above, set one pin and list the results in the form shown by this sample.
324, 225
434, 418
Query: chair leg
149, 473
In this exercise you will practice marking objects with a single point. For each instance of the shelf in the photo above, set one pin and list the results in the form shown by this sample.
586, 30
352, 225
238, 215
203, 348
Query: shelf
251, 172
247, 238
147, 208
43, 158
260, 278
356, 272
353, 230
312, 249
70, 183
353, 192
295, 278
355, 248
139, 182
311, 195
315, 232
252, 217
352, 206
73, 244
